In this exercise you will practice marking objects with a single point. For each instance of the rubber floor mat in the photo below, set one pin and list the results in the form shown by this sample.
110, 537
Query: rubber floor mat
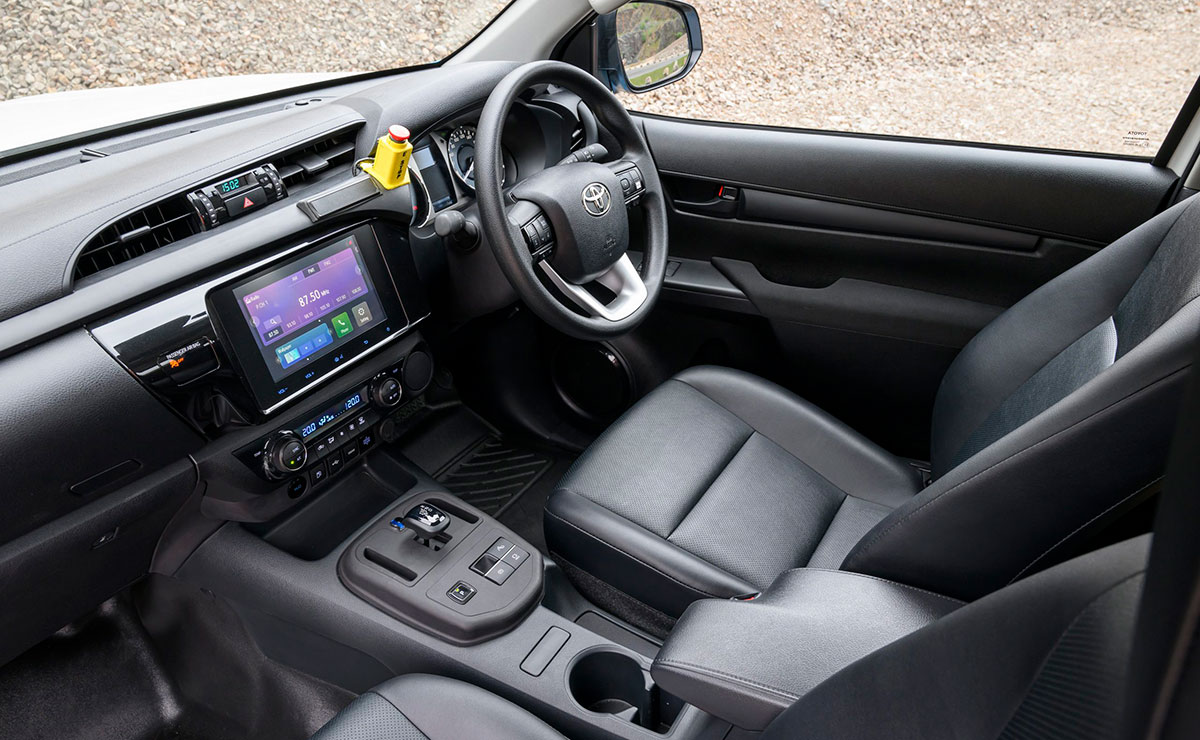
491, 475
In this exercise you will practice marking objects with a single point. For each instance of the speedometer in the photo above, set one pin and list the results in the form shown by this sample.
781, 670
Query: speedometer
461, 145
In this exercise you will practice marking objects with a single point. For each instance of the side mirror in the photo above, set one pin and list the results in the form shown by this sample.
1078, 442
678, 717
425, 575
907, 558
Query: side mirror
644, 45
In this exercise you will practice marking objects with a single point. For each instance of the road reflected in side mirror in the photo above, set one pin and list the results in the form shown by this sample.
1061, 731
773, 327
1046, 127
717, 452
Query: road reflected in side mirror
653, 42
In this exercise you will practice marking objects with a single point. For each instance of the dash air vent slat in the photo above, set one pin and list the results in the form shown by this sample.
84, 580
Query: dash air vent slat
183, 215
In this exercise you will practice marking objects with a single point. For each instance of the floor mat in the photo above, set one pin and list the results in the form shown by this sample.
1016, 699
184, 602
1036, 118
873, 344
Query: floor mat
189, 672
492, 474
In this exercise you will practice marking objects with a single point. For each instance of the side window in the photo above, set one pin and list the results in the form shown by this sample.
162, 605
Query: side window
1083, 75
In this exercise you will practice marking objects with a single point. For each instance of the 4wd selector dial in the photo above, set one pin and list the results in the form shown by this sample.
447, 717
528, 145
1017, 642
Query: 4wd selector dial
284, 454
386, 391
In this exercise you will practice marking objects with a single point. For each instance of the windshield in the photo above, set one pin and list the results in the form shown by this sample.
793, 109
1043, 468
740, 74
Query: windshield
252, 46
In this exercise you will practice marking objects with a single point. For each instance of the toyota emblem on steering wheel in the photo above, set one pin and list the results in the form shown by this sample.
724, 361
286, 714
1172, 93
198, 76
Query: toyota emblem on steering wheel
596, 199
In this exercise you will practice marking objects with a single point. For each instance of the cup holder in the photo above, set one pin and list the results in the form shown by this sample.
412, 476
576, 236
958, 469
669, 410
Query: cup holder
608, 682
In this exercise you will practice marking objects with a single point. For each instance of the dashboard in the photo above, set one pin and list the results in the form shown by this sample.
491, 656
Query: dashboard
443, 160
221, 308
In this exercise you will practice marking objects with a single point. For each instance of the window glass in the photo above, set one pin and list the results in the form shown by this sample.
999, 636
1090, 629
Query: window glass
1087, 75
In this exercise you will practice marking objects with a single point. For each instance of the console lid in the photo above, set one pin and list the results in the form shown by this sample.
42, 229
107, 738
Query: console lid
747, 661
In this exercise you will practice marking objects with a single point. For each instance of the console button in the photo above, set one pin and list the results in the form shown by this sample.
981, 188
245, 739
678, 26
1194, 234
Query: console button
350, 451
461, 592
500, 548
366, 441
318, 474
500, 573
334, 463
516, 556
484, 564
241, 202
296, 487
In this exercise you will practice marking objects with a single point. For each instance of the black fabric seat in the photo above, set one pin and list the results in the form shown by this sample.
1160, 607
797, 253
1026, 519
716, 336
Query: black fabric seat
1055, 416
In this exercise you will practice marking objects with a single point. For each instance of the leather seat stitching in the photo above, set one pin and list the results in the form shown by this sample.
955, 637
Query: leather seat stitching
918, 589
713, 672
704, 491
904, 519
717, 403
1081, 527
634, 557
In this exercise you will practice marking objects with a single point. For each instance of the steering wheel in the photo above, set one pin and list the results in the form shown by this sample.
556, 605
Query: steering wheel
570, 222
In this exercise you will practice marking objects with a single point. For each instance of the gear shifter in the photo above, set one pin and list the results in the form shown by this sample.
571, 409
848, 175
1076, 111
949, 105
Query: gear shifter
425, 521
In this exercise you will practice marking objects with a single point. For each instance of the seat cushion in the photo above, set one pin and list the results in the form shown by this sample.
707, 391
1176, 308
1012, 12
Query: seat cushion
712, 485
422, 707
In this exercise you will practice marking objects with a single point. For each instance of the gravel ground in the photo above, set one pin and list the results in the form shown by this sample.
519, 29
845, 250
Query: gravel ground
1076, 74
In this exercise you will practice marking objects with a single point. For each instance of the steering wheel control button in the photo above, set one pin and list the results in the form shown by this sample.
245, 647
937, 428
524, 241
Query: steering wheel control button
461, 592
538, 236
632, 184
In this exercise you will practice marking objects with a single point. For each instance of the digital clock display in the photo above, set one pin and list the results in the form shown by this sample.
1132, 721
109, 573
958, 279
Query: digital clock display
331, 414
231, 185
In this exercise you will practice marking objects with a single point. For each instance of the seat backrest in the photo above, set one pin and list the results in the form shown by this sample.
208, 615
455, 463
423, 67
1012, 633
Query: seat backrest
1103, 646
1057, 412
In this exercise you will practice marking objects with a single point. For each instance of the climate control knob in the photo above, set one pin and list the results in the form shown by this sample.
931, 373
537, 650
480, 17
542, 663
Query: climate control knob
386, 392
284, 454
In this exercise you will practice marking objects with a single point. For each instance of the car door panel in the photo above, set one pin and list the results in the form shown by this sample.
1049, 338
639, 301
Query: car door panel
875, 260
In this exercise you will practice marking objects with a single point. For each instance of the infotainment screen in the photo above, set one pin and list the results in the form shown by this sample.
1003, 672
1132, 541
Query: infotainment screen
291, 325
325, 303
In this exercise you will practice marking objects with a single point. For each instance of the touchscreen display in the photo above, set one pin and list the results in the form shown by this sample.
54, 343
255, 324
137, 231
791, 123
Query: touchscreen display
310, 308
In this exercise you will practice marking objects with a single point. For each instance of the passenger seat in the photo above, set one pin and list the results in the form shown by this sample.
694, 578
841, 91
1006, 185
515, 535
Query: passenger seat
1102, 646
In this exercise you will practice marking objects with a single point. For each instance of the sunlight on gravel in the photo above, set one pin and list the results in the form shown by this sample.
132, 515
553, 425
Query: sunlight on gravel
1091, 75
1094, 75
49, 46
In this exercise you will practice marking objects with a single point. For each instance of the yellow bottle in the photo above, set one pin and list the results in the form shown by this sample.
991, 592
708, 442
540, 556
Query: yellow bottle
390, 165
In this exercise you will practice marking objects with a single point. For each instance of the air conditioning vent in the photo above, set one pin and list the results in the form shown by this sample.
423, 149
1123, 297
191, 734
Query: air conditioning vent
172, 219
143, 231
301, 165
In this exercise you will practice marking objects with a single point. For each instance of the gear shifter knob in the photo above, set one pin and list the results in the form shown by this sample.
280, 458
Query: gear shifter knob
425, 520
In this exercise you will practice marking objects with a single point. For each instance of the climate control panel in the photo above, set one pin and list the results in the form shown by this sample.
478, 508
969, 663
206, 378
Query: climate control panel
318, 445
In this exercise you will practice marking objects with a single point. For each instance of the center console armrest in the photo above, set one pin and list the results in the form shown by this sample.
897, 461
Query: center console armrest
747, 661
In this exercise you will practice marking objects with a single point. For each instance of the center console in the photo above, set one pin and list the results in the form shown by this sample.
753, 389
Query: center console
444, 567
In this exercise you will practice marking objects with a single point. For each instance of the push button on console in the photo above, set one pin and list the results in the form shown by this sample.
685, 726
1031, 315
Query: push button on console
500, 548
500, 573
516, 556
461, 592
